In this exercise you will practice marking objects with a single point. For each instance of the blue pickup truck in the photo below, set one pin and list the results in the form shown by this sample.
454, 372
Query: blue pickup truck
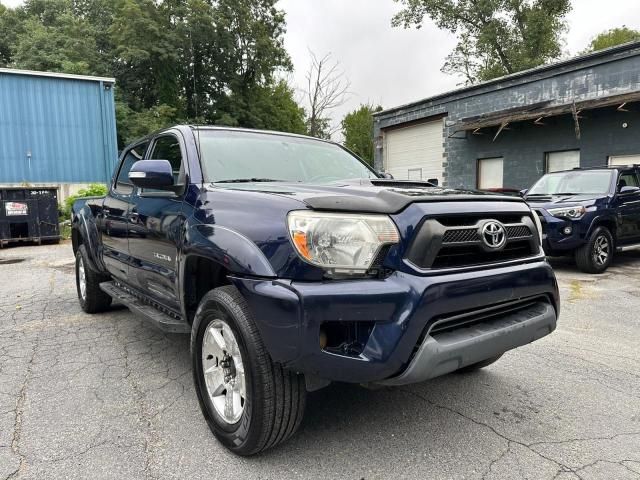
292, 264
589, 213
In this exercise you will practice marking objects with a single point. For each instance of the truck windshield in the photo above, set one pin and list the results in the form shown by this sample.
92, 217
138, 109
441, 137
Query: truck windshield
575, 182
238, 156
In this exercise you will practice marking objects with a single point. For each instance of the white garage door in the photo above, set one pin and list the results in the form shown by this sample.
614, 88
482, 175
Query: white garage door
415, 152
624, 160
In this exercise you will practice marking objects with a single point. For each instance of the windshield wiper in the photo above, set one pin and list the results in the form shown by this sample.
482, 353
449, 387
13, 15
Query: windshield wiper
567, 193
249, 180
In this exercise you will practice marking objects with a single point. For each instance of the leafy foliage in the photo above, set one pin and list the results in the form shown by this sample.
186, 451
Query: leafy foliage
93, 190
357, 129
200, 61
495, 37
613, 37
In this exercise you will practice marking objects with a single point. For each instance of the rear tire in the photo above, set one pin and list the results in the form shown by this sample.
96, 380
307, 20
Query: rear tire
92, 298
274, 398
477, 366
597, 254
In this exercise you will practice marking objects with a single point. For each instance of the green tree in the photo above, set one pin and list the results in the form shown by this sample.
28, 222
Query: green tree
201, 61
357, 129
495, 37
613, 37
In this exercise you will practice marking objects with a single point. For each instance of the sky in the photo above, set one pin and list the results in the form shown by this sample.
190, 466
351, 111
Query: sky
393, 66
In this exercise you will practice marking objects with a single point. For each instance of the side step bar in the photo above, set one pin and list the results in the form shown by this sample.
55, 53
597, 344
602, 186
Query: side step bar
161, 320
628, 248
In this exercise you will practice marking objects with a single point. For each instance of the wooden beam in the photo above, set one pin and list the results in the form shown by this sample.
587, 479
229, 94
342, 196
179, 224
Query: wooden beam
502, 127
576, 120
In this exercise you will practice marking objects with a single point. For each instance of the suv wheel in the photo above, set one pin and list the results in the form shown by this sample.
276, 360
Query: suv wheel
250, 403
92, 298
597, 254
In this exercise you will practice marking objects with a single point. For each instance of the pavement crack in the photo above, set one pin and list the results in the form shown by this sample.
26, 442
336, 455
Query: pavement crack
492, 429
19, 413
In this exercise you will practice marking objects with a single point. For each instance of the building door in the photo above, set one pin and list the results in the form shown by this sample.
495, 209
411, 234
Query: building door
560, 161
415, 152
624, 160
490, 173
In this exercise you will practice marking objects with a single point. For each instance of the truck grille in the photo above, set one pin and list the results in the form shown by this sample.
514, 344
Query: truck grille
459, 241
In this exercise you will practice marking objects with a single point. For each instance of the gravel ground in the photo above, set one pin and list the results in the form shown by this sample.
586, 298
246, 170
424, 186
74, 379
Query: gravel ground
108, 396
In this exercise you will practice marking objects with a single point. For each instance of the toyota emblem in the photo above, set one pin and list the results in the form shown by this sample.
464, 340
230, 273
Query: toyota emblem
494, 235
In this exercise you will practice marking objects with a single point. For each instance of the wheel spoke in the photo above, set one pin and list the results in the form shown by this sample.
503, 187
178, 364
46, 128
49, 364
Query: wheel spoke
216, 336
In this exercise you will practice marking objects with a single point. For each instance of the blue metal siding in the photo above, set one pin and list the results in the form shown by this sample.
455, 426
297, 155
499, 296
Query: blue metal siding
68, 126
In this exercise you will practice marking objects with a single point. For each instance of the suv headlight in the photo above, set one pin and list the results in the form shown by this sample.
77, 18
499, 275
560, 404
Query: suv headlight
340, 243
573, 213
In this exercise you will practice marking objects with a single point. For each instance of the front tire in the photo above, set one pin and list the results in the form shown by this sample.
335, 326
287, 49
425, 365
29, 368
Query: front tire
597, 254
92, 299
250, 402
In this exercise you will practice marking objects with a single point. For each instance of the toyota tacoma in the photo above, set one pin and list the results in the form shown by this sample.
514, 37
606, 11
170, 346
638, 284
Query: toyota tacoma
292, 264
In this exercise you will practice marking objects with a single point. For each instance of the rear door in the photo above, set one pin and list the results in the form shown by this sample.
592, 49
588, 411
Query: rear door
628, 207
156, 224
113, 221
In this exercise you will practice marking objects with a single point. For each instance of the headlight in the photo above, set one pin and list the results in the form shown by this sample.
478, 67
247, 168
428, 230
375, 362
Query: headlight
568, 212
340, 243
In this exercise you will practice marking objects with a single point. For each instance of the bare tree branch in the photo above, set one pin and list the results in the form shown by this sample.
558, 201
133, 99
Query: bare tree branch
327, 89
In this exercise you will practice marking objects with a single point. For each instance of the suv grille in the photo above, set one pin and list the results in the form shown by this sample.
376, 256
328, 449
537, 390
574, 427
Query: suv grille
459, 241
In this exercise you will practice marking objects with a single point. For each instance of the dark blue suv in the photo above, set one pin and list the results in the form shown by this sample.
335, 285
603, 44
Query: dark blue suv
292, 264
589, 213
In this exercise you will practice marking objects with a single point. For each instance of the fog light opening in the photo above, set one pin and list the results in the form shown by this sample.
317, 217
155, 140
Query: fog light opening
345, 338
567, 230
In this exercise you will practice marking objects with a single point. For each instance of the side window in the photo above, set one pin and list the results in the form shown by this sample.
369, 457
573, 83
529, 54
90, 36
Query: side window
168, 148
628, 179
123, 184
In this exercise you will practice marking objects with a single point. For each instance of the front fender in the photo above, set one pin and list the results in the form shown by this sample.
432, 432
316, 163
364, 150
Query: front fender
231, 249
84, 224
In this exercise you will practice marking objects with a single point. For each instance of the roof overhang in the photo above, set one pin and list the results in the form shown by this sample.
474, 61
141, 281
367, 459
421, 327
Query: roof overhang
539, 111
34, 73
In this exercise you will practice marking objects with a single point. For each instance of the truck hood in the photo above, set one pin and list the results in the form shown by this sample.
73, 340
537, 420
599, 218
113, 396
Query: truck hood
557, 201
366, 196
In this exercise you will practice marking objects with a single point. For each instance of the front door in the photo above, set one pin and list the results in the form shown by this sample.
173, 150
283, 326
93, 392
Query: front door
628, 206
113, 219
156, 222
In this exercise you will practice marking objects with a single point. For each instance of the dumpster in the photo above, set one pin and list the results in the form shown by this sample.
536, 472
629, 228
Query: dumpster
28, 214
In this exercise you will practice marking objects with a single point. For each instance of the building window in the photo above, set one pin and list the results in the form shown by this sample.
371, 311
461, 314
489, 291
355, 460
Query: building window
560, 161
490, 173
624, 160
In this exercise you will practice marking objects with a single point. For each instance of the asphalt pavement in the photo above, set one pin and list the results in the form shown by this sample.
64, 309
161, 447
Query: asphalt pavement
108, 396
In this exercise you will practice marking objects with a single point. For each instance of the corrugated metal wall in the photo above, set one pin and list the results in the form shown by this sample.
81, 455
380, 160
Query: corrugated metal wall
56, 130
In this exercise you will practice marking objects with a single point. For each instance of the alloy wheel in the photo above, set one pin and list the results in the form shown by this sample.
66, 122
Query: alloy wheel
223, 371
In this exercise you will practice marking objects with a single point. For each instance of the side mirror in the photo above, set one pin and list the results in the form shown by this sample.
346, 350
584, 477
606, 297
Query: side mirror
522, 193
627, 190
155, 174
386, 175
433, 181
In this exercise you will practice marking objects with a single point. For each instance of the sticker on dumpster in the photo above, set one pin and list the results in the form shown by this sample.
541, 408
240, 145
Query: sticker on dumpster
15, 209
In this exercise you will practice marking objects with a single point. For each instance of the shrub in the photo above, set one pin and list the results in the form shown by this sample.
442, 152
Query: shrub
94, 190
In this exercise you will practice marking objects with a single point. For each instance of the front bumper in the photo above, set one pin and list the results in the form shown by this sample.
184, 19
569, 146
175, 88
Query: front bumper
403, 308
555, 241
447, 352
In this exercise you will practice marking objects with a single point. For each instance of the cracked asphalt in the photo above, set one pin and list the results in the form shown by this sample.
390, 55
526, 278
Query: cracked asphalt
108, 396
